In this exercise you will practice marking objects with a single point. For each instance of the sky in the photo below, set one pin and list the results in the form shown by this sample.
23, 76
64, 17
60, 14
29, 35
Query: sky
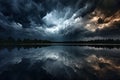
60, 20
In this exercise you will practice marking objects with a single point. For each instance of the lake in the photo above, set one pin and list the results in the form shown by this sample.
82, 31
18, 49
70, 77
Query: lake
60, 63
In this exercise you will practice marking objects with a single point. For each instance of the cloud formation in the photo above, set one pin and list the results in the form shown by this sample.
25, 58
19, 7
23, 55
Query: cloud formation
59, 19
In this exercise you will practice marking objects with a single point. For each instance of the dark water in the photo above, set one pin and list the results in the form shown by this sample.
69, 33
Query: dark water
60, 63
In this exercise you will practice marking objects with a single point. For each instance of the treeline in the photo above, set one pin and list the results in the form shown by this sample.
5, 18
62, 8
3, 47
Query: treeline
102, 41
25, 41
20, 41
110, 41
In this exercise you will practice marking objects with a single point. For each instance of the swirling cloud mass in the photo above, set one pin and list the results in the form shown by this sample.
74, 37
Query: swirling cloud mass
60, 19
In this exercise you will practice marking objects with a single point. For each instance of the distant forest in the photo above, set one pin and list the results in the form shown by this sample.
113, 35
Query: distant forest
10, 40
28, 41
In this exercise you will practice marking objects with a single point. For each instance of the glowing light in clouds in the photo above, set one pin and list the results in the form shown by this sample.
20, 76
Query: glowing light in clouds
60, 20
68, 20
56, 21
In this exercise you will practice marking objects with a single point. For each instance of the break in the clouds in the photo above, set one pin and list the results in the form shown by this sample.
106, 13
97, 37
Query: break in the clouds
60, 19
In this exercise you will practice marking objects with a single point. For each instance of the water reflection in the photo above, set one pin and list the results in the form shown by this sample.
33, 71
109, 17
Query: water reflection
60, 63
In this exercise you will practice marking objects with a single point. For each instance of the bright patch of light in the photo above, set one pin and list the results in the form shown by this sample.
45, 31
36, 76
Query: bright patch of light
58, 21
53, 56
17, 26
54, 29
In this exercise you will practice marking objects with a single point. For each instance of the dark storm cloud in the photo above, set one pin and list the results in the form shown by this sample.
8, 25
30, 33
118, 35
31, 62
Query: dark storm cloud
21, 13
109, 7
108, 10
33, 18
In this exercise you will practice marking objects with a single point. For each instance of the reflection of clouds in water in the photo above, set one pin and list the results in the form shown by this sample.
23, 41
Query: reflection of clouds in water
104, 67
102, 64
95, 60
59, 60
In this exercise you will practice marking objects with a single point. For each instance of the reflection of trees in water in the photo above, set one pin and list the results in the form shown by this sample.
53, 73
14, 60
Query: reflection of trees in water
11, 47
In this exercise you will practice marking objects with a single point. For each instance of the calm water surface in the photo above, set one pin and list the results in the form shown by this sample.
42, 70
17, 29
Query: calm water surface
60, 63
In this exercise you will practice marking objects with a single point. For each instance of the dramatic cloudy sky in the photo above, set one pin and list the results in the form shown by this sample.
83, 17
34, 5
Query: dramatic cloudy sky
60, 19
